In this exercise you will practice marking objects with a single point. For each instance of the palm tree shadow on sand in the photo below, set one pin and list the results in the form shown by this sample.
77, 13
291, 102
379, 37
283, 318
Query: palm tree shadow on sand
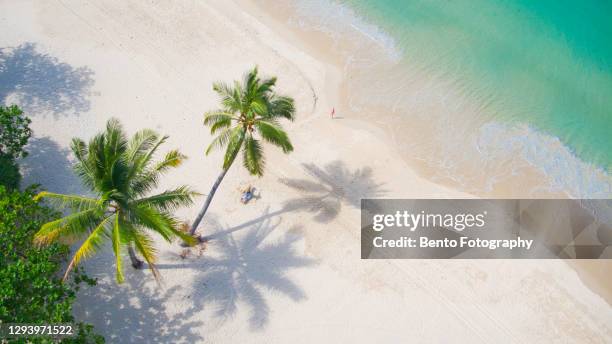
330, 188
236, 271
136, 312
236, 268
323, 195
41, 84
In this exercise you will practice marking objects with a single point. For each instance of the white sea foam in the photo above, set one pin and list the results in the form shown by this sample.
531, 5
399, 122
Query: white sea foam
495, 143
340, 21
548, 154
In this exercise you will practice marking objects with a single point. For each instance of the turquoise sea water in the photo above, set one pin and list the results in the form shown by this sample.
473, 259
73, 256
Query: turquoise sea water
546, 63
482, 92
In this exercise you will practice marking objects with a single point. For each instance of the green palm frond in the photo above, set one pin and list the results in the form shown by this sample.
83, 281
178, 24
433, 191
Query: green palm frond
220, 140
96, 161
116, 239
251, 81
143, 179
146, 158
239, 95
253, 156
73, 202
161, 222
230, 98
283, 107
79, 148
259, 107
266, 86
249, 108
115, 141
233, 146
173, 158
141, 143
275, 135
218, 119
120, 173
143, 160
70, 227
156, 220
145, 246
91, 245
82, 167
169, 200
117, 176
185, 237
145, 182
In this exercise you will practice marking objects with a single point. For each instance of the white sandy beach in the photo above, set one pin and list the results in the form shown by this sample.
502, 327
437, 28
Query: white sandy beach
286, 267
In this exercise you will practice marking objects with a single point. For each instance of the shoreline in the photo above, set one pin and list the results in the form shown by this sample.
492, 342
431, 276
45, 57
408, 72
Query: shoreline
592, 272
291, 257
425, 150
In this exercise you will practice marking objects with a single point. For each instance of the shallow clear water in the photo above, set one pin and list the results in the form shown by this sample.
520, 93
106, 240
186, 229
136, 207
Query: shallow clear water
482, 91
547, 63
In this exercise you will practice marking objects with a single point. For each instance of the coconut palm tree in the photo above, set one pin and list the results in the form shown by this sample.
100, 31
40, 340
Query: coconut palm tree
249, 113
120, 174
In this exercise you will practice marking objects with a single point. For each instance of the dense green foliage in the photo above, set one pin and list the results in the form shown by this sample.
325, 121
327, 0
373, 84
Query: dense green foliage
121, 173
14, 132
9, 173
14, 135
30, 291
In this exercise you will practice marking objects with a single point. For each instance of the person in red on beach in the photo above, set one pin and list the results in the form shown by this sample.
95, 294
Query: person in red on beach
333, 112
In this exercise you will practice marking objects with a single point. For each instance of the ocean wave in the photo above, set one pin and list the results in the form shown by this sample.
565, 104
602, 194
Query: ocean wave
340, 21
548, 154
500, 149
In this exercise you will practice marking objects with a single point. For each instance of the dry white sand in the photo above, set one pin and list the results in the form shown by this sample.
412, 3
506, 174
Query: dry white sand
286, 267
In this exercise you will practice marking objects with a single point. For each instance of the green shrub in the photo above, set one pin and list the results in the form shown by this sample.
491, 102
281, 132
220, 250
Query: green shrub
14, 135
9, 173
14, 132
30, 288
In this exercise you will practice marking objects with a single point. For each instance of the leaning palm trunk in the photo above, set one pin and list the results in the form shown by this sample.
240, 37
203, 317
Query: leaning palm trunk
136, 263
209, 198
249, 114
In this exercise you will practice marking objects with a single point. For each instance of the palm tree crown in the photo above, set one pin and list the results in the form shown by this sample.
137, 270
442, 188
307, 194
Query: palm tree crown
121, 174
249, 112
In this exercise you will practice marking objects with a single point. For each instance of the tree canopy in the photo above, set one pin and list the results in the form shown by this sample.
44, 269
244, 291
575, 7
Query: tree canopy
14, 132
14, 135
30, 290
249, 113
121, 174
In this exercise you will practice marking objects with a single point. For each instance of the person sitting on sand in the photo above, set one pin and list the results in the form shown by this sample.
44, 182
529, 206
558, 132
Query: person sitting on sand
247, 194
